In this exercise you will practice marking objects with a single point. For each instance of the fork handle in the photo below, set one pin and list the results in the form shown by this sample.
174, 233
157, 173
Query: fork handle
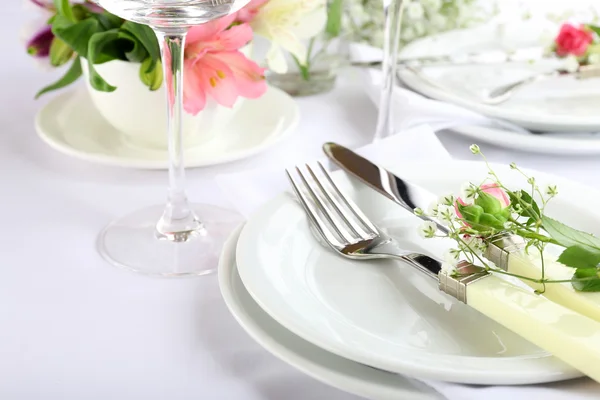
568, 335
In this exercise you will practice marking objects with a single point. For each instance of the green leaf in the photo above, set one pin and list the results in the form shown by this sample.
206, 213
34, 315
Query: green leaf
76, 35
96, 45
80, 12
71, 76
147, 38
60, 53
579, 257
530, 207
470, 213
489, 203
591, 282
153, 79
334, 18
137, 52
108, 21
63, 8
595, 29
488, 220
567, 236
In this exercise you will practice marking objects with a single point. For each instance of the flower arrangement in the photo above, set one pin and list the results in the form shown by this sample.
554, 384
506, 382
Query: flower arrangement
421, 18
214, 65
485, 210
578, 43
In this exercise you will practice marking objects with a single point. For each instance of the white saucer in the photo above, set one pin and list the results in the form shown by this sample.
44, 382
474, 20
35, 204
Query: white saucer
330, 369
71, 124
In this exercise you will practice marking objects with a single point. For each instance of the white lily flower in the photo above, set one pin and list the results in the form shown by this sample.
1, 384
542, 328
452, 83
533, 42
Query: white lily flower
286, 23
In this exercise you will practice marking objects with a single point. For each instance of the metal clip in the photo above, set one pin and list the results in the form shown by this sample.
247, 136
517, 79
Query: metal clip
456, 286
502, 247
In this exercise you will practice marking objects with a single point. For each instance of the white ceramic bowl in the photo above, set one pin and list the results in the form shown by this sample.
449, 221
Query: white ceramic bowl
141, 114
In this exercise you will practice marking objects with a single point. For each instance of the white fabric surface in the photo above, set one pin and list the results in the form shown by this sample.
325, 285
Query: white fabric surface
73, 327
249, 190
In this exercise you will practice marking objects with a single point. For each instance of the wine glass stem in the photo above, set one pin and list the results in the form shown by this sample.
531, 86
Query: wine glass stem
393, 17
178, 221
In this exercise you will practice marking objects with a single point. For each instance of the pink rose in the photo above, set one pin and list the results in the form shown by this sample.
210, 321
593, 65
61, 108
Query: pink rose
493, 190
573, 40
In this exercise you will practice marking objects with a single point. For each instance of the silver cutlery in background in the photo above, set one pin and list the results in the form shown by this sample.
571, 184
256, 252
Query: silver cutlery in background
566, 334
503, 93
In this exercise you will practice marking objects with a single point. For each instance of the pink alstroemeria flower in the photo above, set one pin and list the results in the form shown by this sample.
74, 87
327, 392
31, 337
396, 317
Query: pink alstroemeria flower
248, 13
215, 67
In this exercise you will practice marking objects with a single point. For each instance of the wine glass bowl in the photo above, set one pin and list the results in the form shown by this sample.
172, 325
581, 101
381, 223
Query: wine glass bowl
181, 238
171, 13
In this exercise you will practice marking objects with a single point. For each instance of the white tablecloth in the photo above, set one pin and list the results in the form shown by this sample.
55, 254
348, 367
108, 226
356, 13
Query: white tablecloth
73, 327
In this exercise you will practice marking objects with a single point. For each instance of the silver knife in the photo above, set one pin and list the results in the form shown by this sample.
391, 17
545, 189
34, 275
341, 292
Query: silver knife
401, 192
506, 252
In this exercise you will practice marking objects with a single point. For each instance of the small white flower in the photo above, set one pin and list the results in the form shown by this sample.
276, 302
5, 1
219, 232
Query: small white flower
447, 200
531, 181
448, 269
419, 212
468, 191
513, 165
473, 244
475, 149
432, 5
551, 190
433, 209
447, 213
594, 58
571, 64
427, 230
414, 11
451, 257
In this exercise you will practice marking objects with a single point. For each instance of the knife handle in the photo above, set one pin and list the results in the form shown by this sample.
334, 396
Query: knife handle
564, 294
507, 253
568, 335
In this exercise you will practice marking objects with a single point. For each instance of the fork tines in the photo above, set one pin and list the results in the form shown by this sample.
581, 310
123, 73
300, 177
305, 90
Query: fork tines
334, 215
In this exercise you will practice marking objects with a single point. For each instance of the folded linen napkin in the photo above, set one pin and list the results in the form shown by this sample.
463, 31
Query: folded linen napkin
249, 190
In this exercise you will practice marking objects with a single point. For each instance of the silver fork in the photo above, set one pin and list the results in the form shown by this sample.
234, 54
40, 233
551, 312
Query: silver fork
345, 228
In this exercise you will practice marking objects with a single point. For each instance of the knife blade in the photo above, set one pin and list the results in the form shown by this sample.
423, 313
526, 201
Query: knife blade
506, 252
403, 193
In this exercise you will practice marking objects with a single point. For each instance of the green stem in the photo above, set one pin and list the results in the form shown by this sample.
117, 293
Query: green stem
305, 68
537, 236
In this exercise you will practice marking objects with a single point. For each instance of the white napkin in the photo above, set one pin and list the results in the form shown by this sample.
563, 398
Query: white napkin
249, 190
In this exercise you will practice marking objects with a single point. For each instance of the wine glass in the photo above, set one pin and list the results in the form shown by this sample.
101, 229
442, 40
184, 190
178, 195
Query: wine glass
392, 10
180, 238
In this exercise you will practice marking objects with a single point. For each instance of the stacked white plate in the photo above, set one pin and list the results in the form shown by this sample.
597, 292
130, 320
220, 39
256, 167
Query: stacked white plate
561, 113
372, 328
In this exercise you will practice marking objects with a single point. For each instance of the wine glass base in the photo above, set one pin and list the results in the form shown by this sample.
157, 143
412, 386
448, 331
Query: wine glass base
132, 242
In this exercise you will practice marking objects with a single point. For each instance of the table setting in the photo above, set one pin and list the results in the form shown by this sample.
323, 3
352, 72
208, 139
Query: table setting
398, 209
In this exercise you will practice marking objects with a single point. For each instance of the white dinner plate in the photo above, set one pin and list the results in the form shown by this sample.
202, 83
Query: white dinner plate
328, 368
562, 104
387, 315
70, 123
